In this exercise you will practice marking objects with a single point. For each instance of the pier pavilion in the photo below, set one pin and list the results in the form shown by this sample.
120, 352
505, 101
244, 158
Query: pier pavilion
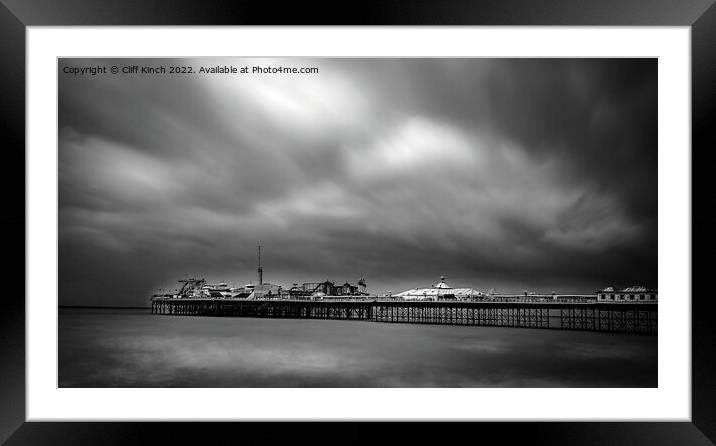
440, 291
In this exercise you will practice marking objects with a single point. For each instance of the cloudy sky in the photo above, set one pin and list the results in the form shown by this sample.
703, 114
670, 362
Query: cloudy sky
511, 174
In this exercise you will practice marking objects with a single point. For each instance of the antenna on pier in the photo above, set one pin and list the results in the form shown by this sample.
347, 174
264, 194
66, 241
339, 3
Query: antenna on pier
261, 270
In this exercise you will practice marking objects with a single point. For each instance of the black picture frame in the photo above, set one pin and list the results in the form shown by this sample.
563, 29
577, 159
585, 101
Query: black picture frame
16, 15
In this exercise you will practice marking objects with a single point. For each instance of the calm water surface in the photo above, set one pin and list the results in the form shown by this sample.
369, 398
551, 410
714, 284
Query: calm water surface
132, 348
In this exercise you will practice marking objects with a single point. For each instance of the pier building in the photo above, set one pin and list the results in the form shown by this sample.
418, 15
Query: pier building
264, 291
328, 288
440, 291
629, 294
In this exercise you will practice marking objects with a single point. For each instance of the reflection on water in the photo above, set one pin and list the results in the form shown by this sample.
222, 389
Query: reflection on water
132, 348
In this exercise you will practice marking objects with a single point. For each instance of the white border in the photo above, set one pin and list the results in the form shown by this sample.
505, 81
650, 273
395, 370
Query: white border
670, 401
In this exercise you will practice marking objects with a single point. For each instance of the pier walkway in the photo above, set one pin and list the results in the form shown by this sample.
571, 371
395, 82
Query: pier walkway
590, 316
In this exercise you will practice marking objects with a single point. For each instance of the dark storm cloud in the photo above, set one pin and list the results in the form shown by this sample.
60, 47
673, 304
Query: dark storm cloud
497, 173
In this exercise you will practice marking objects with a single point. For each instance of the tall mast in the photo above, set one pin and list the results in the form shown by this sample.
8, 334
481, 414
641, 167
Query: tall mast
261, 270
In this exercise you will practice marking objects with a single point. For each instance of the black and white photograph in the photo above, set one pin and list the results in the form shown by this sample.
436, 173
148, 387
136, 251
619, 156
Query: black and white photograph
352, 222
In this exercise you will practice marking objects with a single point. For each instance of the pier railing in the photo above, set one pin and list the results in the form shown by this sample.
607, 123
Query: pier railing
590, 316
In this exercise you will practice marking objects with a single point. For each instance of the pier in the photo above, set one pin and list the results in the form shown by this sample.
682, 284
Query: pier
588, 316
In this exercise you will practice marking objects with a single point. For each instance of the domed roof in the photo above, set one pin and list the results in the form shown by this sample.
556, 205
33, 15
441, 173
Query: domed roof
442, 284
440, 289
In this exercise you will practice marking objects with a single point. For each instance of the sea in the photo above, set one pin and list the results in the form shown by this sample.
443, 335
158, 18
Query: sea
134, 348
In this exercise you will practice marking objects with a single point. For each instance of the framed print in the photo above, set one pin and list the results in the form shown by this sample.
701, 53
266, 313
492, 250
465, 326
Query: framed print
394, 221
